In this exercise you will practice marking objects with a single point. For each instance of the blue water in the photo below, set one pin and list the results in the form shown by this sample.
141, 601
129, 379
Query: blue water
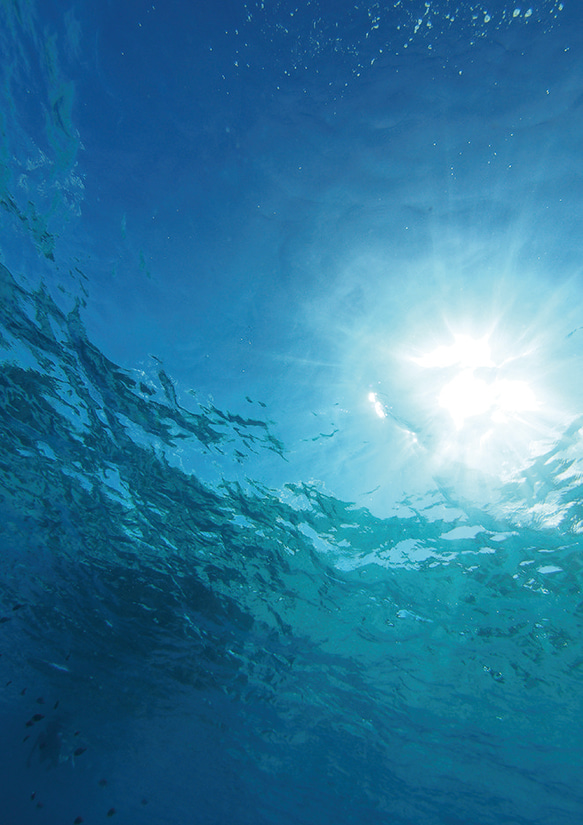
291, 419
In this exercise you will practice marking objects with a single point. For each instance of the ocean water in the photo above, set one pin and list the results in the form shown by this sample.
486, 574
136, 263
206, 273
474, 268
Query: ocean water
291, 418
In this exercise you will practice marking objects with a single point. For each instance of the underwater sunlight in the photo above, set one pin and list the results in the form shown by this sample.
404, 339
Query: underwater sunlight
291, 419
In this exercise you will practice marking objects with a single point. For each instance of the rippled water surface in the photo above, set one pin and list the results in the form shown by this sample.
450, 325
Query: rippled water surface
291, 421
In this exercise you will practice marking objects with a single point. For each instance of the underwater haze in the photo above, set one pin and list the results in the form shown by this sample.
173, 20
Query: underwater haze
291, 417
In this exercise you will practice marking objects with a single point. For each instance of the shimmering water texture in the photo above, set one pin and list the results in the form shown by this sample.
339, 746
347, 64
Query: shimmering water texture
196, 626
432, 659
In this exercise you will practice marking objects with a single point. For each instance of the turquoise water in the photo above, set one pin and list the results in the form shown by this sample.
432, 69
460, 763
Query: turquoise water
290, 322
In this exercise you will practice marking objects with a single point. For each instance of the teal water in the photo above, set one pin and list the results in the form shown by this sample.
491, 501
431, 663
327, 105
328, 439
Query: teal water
290, 322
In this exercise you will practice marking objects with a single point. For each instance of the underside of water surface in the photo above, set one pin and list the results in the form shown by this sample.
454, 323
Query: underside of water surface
291, 423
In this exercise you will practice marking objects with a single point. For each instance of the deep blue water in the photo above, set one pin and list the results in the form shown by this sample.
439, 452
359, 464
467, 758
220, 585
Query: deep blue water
291, 418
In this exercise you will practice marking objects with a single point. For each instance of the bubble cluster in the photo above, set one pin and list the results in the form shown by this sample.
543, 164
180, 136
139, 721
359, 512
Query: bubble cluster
312, 35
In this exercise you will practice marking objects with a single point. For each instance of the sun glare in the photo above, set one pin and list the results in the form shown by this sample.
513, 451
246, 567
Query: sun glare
465, 396
470, 402
464, 352
477, 387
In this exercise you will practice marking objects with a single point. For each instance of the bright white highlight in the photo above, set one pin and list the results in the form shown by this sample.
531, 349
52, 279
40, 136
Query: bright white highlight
377, 406
464, 352
468, 394
464, 397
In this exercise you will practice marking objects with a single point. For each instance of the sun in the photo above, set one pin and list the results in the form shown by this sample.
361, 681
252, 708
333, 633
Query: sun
470, 402
474, 385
